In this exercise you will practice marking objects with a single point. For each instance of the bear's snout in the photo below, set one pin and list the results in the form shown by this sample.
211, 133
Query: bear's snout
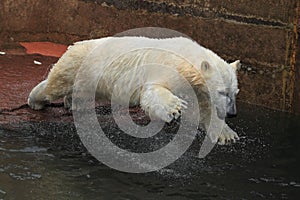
231, 112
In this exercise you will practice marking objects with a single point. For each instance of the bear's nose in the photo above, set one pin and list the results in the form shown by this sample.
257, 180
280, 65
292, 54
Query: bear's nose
230, 115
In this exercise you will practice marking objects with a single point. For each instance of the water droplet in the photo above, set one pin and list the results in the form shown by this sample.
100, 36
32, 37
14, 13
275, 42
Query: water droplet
293, 183
273, 76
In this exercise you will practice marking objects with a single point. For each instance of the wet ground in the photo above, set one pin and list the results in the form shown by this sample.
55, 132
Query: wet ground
41, 156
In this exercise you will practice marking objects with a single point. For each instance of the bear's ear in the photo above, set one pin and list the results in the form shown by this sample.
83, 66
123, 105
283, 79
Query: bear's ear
205, 67
236, 64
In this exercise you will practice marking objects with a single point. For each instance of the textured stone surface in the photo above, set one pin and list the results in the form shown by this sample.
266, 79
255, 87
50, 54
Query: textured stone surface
296, 99
20, 15
248, 10
243, 41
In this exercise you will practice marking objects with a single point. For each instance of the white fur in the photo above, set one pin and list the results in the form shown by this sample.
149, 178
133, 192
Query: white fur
122, 57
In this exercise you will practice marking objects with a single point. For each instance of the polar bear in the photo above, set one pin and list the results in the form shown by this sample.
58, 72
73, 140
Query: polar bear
198, 65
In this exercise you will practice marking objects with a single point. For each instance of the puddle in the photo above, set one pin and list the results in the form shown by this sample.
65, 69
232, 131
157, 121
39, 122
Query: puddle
45, 160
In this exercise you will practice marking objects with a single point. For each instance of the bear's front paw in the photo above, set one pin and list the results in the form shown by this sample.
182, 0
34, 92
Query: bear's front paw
169, 110
227, 136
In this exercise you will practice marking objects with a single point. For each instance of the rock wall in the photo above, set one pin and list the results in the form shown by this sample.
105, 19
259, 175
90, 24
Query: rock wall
262, 34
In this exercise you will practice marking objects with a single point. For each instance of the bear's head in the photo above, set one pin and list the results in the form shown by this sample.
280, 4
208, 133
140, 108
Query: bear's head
221, 86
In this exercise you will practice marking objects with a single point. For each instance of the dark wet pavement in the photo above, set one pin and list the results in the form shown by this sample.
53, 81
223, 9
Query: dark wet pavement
45, 160
41, 156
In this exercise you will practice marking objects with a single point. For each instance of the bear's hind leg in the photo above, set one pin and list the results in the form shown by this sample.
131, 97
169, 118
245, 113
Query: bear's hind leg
37, 98
159, 102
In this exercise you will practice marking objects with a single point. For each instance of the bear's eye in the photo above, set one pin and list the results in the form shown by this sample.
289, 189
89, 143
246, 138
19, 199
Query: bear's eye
223, 93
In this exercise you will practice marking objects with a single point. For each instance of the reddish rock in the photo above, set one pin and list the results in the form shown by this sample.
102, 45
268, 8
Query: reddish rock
44, 48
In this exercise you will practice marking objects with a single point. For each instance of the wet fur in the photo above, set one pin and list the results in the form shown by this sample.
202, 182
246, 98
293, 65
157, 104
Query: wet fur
60, 81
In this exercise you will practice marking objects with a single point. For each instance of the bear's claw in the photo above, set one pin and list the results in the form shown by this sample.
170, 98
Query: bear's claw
227, 136
68, 102
173, 110
159, 102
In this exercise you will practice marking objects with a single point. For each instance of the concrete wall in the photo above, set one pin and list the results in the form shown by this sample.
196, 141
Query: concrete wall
262, 34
